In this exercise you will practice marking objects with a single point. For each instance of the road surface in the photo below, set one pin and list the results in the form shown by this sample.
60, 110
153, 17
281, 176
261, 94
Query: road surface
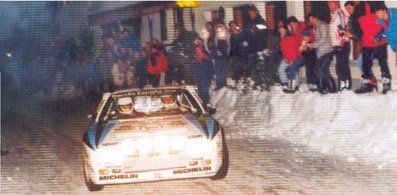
45, 145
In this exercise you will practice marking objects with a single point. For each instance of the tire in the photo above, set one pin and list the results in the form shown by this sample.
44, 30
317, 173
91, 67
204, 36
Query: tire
222, 172
91, 186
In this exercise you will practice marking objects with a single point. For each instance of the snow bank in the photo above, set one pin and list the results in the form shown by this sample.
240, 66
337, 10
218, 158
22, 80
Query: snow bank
360, 127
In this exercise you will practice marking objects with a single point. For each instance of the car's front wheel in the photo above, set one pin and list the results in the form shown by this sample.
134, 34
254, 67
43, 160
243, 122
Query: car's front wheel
90, 185
222, 172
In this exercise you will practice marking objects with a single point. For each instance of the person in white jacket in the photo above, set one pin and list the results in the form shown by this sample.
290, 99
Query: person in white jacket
340, 42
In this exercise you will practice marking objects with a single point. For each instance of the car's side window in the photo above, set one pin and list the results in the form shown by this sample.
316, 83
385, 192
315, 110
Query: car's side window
106, 109
185, 102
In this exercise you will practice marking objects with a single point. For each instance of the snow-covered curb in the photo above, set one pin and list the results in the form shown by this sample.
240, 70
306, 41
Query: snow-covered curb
356, 126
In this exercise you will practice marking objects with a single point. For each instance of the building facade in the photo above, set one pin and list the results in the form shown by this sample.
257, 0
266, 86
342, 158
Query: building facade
158, 19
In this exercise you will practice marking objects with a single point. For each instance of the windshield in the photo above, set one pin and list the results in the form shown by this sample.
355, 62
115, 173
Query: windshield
140, 104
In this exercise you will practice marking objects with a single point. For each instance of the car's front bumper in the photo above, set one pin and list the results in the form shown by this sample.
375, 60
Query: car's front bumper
102, 175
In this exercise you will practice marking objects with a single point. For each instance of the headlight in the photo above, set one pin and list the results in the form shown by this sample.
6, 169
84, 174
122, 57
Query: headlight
145, 146
161, 144
114, 156
129, 147
178, 143
199, 147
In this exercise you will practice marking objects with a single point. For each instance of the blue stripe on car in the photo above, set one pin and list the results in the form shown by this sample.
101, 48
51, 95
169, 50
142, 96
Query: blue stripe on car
196, 123
211, 127
105, 132
91, 134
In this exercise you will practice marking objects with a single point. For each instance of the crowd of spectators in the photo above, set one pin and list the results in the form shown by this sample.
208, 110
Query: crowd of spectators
220, 51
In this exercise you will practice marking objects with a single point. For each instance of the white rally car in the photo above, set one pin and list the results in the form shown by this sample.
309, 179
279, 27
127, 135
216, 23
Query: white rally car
152, 134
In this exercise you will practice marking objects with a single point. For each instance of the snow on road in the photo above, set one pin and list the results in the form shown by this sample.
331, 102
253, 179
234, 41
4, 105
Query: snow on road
358, 127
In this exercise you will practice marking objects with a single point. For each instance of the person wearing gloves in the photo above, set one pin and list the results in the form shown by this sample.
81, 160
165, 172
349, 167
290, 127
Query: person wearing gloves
374, 46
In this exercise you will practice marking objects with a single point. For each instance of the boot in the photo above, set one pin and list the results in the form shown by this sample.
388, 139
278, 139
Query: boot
331, 86
321, 86
386, 85
348, 84
291, 87
374, 83
366, 87
341, 85
312, 87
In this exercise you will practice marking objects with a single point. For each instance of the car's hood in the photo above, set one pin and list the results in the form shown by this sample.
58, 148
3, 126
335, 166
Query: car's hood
186, 125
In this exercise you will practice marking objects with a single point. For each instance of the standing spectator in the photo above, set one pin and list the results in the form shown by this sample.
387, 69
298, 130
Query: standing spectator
236, 45
140, 61
374, 46
220, 54
255, 31
291, 58
324, 52
297, 29
159, 46
387, 18
157, 66
341, 44
119, 72
354, 32
236, 51
106, 62
129, 40
208, 36
202, 71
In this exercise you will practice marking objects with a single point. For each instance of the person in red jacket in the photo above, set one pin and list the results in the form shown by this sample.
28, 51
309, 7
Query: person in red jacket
374, 46
157, 66
297, 28
291, 56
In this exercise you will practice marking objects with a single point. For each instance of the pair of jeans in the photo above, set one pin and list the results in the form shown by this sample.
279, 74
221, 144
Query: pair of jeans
369, 54
310, 59
293, 70
322, 65
283, 74
220, 71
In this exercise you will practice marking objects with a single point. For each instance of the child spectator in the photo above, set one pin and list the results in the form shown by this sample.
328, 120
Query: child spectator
291, 57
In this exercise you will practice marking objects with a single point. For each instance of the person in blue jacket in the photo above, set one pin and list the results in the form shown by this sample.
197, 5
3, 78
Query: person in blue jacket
202, 71
387, 18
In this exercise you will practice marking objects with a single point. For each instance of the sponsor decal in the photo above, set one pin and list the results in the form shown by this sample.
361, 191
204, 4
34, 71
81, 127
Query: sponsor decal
194, 136
145, 92
192, 170
113, 177
110, 144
